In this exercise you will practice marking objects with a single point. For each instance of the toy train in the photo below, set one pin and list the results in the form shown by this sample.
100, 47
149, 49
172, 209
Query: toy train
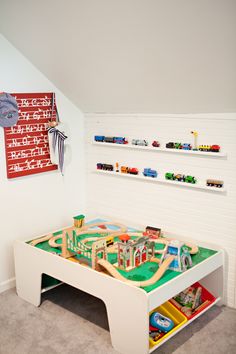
214, 183
130, 170
105, 167
179, 177
186, 146
148, 172
110, 139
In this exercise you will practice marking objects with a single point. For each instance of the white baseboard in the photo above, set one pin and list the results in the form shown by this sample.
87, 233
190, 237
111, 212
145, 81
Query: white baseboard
8, 284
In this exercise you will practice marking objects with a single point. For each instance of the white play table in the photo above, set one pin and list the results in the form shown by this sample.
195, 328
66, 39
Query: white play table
127, 306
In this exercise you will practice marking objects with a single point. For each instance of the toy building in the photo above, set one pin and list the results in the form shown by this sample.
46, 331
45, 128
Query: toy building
132, 253
182, 260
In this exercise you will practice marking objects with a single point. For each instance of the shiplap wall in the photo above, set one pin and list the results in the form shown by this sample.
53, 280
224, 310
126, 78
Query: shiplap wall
195, 214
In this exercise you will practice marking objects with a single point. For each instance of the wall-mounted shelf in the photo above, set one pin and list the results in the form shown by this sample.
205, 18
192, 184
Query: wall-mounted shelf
161, 180
162, 149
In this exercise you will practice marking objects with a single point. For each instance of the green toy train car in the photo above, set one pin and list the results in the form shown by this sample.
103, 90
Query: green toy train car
179, 177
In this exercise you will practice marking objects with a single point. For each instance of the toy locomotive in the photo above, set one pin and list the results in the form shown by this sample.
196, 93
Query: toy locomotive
179, 177
186, 146
105, 167
110, 139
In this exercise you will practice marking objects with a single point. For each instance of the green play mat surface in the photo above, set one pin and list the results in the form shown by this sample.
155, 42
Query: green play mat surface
143, 272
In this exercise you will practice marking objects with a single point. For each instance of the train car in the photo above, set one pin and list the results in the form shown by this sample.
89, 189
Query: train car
186, 146
124, 169
107, 167
178, 146
155, 143
215, 148
170, 145
170, 176
100, 166
99, 138
190, 179
119, 140
109, 241
148, 172
109, 139
214, 183
133, 171
206, 148
179, 177
140, 142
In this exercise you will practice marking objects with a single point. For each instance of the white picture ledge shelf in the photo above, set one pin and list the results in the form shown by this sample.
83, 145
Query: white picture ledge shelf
161, 180
162, 149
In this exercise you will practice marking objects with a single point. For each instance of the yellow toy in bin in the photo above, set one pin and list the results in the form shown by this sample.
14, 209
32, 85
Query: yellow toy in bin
168, 310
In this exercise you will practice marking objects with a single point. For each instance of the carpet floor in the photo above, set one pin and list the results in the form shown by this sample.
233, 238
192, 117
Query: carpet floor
70, 321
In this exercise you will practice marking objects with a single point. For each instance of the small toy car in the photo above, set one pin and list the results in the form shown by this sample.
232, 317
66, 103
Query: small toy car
163, 323
155, 143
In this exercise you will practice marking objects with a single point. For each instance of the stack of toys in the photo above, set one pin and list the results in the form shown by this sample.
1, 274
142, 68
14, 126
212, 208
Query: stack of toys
190, 300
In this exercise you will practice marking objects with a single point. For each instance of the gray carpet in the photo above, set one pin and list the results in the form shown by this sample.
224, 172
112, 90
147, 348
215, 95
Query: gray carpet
70, 321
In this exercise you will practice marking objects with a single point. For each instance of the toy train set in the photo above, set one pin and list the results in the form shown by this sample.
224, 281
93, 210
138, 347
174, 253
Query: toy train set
149, 172
180, 177
170, 145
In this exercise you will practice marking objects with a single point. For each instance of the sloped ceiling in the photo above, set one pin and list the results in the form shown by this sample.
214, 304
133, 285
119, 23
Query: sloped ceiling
153, 56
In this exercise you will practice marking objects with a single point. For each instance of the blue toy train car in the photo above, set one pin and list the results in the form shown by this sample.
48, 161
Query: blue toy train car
148, 172
110, 139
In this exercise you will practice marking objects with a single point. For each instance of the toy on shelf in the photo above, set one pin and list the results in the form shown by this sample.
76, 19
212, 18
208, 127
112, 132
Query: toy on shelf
148, 172
152, 232
195, 135
186, 146
110, 139
105, 167
155, 143
130, 170
209, 148
180, 177
182, 258
161, 322
170, 145
140, 142
214, 183
117, 167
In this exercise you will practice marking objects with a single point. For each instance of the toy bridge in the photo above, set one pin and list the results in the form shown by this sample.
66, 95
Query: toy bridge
77, 246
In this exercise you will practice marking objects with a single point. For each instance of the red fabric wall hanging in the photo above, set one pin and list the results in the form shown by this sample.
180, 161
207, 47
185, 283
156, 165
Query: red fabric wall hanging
27, 148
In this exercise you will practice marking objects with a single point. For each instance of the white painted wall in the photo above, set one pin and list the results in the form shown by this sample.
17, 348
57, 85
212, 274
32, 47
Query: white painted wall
33, 205
194, 214
162, 56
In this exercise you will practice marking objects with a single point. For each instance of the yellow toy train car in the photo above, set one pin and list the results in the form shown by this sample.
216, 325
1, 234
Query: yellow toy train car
110, 241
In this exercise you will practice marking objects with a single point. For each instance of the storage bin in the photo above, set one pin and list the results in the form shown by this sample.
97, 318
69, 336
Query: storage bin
168, 310
206, 295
